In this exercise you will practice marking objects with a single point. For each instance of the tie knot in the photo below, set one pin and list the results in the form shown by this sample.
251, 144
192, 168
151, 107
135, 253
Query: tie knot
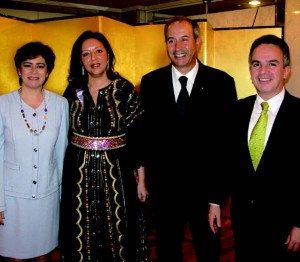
265, 106
183, 81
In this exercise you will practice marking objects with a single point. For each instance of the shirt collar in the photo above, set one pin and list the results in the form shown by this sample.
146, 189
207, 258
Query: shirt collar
191, 75
274, 102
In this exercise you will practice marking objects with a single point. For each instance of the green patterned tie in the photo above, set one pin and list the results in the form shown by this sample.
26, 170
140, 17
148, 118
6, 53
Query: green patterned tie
257, 139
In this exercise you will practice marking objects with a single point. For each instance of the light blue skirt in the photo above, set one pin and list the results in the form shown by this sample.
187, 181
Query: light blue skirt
30, 226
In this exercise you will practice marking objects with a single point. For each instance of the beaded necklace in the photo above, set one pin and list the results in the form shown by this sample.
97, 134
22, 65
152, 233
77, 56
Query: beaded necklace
45, 117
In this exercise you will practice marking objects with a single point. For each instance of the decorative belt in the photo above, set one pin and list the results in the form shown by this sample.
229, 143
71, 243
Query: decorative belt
98, 143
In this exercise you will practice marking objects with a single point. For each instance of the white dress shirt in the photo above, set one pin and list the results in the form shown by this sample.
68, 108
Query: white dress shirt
191, 79
274, 105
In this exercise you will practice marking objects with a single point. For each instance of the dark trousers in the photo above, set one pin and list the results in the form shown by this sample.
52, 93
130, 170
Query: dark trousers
171, 223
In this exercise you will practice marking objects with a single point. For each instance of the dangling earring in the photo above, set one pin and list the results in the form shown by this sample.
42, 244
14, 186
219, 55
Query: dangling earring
20, 80
82, 70
107, 65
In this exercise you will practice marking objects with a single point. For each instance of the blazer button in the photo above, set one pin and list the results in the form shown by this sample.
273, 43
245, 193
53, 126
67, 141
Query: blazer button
34, 182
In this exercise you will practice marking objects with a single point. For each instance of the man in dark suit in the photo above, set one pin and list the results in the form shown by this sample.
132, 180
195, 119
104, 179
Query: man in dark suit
265, 201
185, 152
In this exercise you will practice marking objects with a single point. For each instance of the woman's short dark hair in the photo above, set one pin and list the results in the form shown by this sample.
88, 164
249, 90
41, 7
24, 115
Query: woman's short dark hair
32, 50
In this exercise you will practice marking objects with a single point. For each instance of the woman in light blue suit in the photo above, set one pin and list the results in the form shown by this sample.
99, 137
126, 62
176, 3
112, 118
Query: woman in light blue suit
33, 139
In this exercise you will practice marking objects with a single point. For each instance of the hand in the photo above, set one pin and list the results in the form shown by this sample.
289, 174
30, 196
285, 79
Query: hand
293, 240
214, 217
142, 190
2, 218
136, 176
143, 193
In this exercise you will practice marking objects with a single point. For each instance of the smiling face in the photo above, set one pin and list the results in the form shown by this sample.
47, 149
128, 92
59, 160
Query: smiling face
33, 72
182, 47
268, 73
94, 57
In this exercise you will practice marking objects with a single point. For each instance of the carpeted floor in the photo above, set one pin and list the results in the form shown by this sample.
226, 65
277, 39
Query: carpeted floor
227, 241
188, 249
227, 254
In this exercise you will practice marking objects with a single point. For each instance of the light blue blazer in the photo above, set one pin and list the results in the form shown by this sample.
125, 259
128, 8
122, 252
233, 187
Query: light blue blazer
31, 166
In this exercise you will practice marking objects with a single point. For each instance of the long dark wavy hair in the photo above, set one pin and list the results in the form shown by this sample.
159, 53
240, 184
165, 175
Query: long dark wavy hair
75, 70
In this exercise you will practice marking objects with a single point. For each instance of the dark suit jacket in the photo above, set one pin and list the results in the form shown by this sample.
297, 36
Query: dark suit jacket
266, 203
182, 153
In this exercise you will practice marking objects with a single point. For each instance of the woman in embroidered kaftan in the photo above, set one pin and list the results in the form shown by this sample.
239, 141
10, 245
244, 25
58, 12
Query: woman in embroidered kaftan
104, 177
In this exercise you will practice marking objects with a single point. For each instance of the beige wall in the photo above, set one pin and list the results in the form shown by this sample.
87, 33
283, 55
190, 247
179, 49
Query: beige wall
12, 35
231, 54
292, 37
151, 49
249, 17
138, 49
60, 35
122, 39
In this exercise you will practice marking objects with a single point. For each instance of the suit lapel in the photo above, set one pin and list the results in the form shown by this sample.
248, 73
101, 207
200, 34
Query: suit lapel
165, 94
279, 130
244, 110
199, 84
280, 123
